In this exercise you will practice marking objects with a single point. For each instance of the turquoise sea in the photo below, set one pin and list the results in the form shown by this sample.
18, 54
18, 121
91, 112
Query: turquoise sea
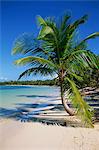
24, 102
11, 96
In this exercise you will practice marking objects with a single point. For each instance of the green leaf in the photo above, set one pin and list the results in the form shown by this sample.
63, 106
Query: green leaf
33, 60
41, 21
94, 35
83, 109
79, 78
44, 31
34, 71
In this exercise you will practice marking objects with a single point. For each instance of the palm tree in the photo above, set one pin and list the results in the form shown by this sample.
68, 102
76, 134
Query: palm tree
58, 52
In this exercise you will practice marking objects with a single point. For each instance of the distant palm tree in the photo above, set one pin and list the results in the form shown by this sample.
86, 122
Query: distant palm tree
59, 53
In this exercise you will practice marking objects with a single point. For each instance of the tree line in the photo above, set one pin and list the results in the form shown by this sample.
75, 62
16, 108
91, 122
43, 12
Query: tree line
37, 82
90, 79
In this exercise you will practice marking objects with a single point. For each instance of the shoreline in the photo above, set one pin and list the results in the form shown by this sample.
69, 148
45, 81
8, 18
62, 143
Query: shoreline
31, 85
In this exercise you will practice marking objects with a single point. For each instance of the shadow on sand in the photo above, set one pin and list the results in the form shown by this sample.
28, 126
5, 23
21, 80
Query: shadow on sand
31, 112
23, 113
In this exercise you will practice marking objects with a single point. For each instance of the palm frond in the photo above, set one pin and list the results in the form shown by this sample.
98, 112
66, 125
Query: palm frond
45, 31
79, 78
83, 58
92, 36
41, 21
67, 35
70, 54
24, 44
72, 27
34, 61
78, 22
37, 70
83, 109
49, 35
64, 22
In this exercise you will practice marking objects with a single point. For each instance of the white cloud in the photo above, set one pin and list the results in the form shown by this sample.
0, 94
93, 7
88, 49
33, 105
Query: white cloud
3, 78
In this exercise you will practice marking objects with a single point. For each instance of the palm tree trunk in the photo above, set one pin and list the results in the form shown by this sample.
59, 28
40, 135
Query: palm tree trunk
65, 105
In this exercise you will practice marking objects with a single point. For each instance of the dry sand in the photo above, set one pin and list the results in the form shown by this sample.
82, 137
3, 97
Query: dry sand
15, 135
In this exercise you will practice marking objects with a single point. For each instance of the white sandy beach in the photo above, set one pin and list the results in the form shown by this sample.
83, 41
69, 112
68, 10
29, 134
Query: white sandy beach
15, 135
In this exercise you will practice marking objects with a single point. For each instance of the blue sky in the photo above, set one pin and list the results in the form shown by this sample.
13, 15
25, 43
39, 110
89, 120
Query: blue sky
18, 17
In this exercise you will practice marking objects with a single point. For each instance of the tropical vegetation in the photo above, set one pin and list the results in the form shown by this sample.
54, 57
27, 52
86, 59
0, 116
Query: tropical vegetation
57, 51
37, 82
